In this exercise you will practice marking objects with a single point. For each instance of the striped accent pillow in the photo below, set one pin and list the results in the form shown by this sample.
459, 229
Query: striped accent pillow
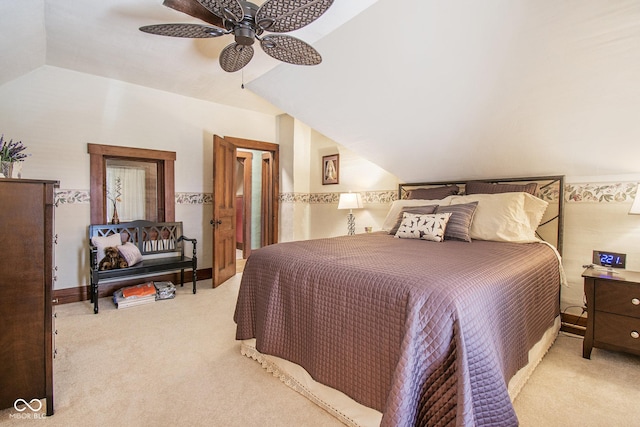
460, 221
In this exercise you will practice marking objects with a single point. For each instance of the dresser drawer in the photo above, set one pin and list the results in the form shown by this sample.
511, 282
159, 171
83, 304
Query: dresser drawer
620, 298
623, 331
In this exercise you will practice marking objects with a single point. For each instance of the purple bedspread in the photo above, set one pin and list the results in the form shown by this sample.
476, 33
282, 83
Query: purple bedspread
427, 333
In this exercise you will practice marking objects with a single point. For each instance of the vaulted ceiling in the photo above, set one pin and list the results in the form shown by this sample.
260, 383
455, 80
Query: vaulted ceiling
425, 89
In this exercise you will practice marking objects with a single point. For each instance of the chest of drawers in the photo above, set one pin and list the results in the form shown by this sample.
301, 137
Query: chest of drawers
26, 282
613, 311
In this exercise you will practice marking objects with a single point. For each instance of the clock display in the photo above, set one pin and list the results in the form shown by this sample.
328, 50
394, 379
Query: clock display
609, 259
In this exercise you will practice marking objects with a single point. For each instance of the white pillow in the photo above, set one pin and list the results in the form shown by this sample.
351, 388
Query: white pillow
423, 226
505, 217
535, 208
102, 242
130, 253
396, 207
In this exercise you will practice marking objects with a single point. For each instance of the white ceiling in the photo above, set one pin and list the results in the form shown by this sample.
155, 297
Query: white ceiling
101, 37
429, 89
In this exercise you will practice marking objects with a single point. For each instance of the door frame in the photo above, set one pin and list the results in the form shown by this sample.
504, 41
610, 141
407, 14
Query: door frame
274, 149
245, 158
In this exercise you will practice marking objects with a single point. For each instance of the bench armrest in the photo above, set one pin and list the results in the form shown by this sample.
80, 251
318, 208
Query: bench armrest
194, 242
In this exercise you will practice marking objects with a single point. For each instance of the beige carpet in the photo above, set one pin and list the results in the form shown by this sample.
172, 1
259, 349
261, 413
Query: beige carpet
176, 363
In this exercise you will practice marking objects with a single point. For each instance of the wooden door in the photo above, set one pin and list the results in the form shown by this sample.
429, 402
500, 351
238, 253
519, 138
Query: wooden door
224, 212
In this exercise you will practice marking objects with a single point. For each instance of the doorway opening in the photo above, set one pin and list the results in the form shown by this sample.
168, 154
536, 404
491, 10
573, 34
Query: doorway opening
246, 191
253, 180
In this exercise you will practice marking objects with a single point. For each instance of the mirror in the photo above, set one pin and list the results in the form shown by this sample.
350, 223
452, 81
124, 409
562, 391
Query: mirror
132, 189
156, 202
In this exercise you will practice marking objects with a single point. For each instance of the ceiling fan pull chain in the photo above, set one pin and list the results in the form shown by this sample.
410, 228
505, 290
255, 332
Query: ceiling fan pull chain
242, 85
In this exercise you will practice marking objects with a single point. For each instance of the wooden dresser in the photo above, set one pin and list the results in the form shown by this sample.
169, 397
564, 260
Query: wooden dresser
613, 311
26, 284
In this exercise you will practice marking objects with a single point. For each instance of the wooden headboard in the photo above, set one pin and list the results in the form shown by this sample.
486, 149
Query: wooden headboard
550, 189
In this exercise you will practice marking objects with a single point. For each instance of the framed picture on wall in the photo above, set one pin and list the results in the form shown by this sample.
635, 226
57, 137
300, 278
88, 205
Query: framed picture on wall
330, 169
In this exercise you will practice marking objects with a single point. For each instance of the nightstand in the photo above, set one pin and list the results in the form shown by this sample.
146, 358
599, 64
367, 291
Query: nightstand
613, 311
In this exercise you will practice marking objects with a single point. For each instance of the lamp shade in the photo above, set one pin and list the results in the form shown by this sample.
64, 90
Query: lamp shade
350, 201
635, 207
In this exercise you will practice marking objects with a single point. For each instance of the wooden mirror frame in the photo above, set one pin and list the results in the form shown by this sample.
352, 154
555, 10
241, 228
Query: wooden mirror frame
98, 155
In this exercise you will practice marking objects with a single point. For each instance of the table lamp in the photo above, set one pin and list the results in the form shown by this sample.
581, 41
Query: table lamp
350, 201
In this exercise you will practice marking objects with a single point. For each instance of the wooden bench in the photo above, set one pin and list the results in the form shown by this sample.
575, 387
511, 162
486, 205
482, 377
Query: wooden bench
160, 243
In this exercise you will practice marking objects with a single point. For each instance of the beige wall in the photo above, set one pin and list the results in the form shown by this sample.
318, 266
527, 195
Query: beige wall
56, 112
596, 211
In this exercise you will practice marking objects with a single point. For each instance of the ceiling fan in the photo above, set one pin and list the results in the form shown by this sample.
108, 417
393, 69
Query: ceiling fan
247, 22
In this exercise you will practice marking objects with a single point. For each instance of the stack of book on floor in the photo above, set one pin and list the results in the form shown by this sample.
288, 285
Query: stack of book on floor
165, 290
135, 295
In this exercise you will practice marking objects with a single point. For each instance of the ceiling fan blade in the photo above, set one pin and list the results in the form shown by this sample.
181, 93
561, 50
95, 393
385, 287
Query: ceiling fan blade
231, 10
192, 31
195, 9
290, 49
235, 56
281, 16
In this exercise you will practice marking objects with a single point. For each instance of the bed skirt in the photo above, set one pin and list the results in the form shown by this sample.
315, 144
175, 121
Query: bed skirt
351, 412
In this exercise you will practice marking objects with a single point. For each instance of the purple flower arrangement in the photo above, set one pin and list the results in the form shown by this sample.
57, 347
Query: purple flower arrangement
12, 151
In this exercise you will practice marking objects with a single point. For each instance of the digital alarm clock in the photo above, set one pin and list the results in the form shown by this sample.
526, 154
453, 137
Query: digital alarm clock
609, 259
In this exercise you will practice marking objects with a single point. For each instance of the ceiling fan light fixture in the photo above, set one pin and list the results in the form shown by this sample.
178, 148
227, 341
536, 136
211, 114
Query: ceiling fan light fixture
244, 35
247, 22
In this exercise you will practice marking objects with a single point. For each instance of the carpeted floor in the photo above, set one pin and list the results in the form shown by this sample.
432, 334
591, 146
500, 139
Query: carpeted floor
176, 363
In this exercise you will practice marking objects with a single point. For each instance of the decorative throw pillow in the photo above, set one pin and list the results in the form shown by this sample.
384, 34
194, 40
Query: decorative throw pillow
417, 210
426, 226
460, 222
399, 205
130, 253
433, 193
102, 242
479, 187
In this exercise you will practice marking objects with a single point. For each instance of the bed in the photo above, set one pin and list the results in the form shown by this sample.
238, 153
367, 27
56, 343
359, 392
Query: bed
438, 323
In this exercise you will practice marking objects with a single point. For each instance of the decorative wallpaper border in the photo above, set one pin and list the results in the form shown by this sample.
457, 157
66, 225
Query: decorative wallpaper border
194, 198
620, 192
328, 198
78, 197
71, 197
600, 193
